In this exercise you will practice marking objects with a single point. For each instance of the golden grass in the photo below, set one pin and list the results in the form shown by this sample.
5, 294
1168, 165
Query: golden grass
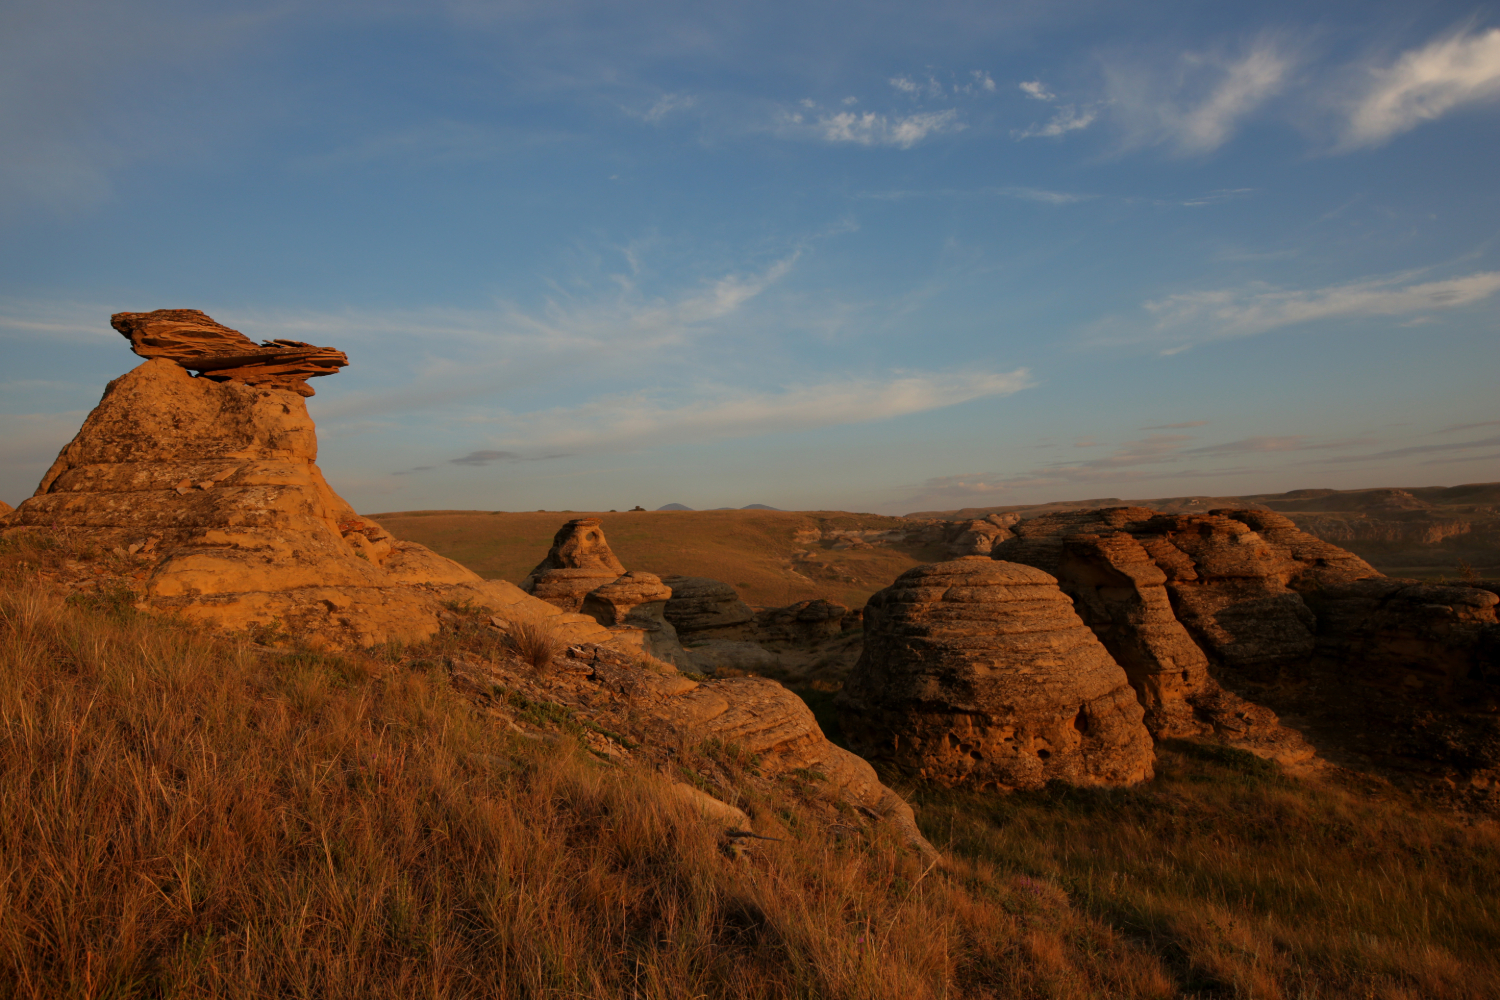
747, 548
190, 816
535, 641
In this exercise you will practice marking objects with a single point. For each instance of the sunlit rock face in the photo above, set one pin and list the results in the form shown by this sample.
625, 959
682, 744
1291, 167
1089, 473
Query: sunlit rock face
979, 673
211, 490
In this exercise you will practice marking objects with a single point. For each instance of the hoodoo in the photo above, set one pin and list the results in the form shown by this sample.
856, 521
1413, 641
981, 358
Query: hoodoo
208, 488
979, 673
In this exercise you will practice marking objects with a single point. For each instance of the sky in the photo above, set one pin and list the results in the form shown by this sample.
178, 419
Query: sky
868, 256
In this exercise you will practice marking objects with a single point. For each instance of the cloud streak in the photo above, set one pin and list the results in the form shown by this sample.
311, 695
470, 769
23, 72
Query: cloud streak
642, 420
1196, 108
1224, 313
1425, 84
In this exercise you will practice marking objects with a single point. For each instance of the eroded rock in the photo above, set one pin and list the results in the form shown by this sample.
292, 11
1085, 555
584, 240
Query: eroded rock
256, 538
579, 561
979, 673
195, 341
802, 622
710, 608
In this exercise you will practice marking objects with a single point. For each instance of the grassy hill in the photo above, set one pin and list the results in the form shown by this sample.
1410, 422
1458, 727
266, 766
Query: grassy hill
191, 815
751, 549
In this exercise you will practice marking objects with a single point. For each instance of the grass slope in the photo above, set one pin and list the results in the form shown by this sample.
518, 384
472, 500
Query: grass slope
751, 549
184, 815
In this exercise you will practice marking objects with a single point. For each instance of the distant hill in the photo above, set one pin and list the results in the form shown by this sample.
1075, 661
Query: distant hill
675, 506
1411, 531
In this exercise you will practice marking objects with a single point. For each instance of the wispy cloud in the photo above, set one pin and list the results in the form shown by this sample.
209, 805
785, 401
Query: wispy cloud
1065, 118
1222, 313
1037, 90
1421, 449
1467, 427
646, 419
1197, 107
872, 129
1068, 118
1424, 84
1173, 427
1038, 195
667, 104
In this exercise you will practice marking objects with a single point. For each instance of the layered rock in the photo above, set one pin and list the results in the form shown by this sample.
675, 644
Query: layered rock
1231, 587
802, 622
1428, 642
636, 600
195, 341
213, 489
664, 710
1131, 585
706, 608
579, 562
979, 673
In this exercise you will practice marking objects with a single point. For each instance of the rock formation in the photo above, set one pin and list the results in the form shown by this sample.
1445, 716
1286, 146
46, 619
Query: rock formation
1231, 587
802, 622
196, 342
707, 609
210, 490
979, 673
5, 508
579, 561
636, 600
663, 710
1143, 595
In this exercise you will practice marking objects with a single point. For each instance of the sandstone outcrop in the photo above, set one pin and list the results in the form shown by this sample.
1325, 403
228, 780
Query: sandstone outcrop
195, 341
579, 561
802, 622
979, 673
636, 600
211, 491
705, 608
5, 508
662, 710
1141, 593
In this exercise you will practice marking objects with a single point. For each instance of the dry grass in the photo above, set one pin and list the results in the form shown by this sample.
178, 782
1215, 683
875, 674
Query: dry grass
1250, 883
535, 641
748, 548
187, 816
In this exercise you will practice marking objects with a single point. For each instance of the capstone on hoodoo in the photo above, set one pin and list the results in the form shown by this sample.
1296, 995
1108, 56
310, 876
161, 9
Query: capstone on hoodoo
209, 487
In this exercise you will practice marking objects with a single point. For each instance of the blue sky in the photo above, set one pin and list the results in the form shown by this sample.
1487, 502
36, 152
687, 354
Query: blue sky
875, 256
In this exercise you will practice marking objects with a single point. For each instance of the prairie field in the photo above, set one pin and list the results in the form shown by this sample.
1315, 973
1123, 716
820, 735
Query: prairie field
193, 815
751, 549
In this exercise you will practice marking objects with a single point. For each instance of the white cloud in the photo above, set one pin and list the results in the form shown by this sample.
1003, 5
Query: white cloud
1425, 84
1217, 314
871, 129
642, 420
1197, 108
667, 104
905, 85
1069, 118
1037, 90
